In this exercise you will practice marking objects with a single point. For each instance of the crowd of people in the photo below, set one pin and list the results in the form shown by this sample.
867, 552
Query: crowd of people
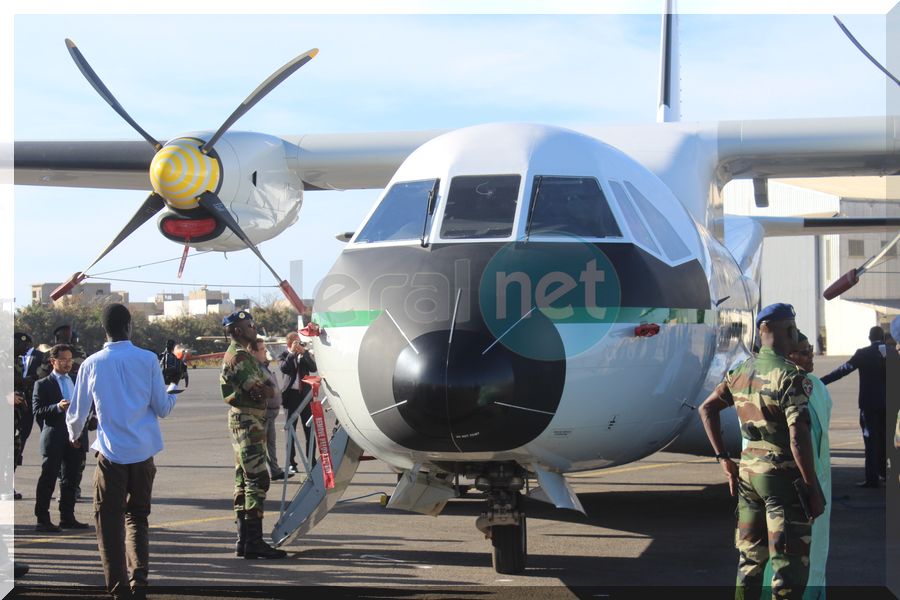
783, 478
69, 394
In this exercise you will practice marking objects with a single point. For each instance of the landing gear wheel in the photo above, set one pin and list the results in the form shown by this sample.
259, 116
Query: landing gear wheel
510, 547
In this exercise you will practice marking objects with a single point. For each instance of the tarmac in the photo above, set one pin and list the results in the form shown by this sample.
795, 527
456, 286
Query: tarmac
664, 521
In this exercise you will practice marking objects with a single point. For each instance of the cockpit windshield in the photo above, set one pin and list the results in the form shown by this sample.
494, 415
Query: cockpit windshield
481, 206
570, 206
402, 213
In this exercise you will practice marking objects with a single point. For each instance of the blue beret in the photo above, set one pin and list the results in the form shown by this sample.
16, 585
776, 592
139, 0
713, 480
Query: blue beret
240, 315
895, 329
776, 312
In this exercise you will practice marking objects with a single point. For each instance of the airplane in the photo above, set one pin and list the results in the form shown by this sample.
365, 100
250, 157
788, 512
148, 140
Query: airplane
522, 301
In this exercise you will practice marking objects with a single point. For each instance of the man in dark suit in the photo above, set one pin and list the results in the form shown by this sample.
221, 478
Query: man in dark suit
28, 359
870, 361
296, 363
51, 399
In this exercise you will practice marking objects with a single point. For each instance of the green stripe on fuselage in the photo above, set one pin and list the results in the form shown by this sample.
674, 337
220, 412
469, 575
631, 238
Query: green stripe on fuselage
626, 314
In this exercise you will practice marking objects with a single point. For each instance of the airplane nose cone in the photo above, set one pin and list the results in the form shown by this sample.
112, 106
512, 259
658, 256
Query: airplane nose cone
459, 392
437, 388
179, 173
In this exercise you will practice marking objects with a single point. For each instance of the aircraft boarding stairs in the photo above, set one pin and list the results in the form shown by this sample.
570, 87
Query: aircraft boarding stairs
313, 501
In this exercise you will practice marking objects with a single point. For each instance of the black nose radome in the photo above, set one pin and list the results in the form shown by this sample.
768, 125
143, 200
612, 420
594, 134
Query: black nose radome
459, 392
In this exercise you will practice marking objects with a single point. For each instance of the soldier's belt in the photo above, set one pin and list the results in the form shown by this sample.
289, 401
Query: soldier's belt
246, 410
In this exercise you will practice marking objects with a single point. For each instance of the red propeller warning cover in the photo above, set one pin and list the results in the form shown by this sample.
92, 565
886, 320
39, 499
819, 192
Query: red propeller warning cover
66, 287
840, 286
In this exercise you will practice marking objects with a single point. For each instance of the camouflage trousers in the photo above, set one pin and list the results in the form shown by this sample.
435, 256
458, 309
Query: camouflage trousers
251, 476
771, 527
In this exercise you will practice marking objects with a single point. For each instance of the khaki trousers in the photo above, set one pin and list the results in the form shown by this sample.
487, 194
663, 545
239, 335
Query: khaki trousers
121, 507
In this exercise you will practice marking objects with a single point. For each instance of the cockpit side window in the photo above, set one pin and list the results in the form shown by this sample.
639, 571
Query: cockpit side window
402, 213
481, 206
665, 233
570, 206
635, 223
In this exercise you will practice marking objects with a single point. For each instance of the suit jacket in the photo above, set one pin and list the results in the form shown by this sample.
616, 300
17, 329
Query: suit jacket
297, 365
872, 373
46, 410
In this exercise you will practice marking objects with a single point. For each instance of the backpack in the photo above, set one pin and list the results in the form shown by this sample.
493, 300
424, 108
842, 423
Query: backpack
171, 367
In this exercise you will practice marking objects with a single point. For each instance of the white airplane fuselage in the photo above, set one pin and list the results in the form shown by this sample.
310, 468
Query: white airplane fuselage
451, 342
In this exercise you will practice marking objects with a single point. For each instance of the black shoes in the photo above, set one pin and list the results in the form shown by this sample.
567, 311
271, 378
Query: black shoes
17, 495
47, 527
73, 524
292, 470
282, 475
867, 484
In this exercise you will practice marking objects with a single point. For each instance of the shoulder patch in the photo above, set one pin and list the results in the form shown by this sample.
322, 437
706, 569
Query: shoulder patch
807, 386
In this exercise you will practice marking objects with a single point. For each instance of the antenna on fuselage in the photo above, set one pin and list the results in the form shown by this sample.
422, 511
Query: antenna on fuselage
668, 107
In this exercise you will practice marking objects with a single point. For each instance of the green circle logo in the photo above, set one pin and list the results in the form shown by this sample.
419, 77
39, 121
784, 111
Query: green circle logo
571, 282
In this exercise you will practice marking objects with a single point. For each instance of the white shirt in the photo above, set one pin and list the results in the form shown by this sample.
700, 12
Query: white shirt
126, 386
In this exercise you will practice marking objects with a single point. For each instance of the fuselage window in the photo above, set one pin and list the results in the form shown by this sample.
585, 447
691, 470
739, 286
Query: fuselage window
665, 233
481, 206
402, 214
570, 206
635, 223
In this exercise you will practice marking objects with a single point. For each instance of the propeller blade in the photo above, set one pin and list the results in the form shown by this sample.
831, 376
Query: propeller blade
865, 52
851, 277
259, 93
152, 205
104, 92
214, 205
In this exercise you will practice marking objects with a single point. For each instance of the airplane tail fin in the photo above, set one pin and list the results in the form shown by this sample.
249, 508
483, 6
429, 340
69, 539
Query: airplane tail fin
669, 105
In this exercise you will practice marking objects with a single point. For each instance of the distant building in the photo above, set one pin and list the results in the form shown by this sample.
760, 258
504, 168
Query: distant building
83, 292
199, 302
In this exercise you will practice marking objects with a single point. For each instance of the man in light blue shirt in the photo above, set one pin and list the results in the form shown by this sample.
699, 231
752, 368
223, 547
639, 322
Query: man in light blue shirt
126, 386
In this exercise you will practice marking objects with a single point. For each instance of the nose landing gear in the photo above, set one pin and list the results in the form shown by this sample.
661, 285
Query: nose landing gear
503, 520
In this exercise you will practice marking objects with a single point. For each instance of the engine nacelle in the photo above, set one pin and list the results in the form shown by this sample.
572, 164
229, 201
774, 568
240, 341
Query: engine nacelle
255, 180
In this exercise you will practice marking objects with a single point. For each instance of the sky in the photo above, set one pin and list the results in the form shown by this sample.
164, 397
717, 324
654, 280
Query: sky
187, 72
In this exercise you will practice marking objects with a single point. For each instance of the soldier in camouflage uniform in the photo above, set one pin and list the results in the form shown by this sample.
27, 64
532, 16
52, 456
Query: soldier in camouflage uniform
770, 395
245, 387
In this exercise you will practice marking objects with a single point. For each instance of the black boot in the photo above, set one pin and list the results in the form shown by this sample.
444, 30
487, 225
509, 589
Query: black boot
255, 546
241, 535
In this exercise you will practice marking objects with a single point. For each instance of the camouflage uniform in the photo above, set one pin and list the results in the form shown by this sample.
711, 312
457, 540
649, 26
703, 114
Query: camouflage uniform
246, 420
770, 394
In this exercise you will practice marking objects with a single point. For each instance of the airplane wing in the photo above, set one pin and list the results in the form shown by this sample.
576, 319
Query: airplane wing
324, 161
720, 150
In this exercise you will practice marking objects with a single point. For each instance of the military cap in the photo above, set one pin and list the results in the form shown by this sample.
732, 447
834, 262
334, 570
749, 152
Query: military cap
776, 312
60, 328
237, 317
21, 336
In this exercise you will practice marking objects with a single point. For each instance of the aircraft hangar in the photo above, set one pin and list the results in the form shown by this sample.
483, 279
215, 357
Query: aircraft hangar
798, 269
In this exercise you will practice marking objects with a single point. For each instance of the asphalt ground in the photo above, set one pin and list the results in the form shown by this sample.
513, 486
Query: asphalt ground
664, 521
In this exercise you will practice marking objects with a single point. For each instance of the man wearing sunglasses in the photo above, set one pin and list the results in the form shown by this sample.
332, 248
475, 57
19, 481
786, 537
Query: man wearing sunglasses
60, 458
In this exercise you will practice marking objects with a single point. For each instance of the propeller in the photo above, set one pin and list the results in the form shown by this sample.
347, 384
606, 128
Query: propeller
167, 171
851, 277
